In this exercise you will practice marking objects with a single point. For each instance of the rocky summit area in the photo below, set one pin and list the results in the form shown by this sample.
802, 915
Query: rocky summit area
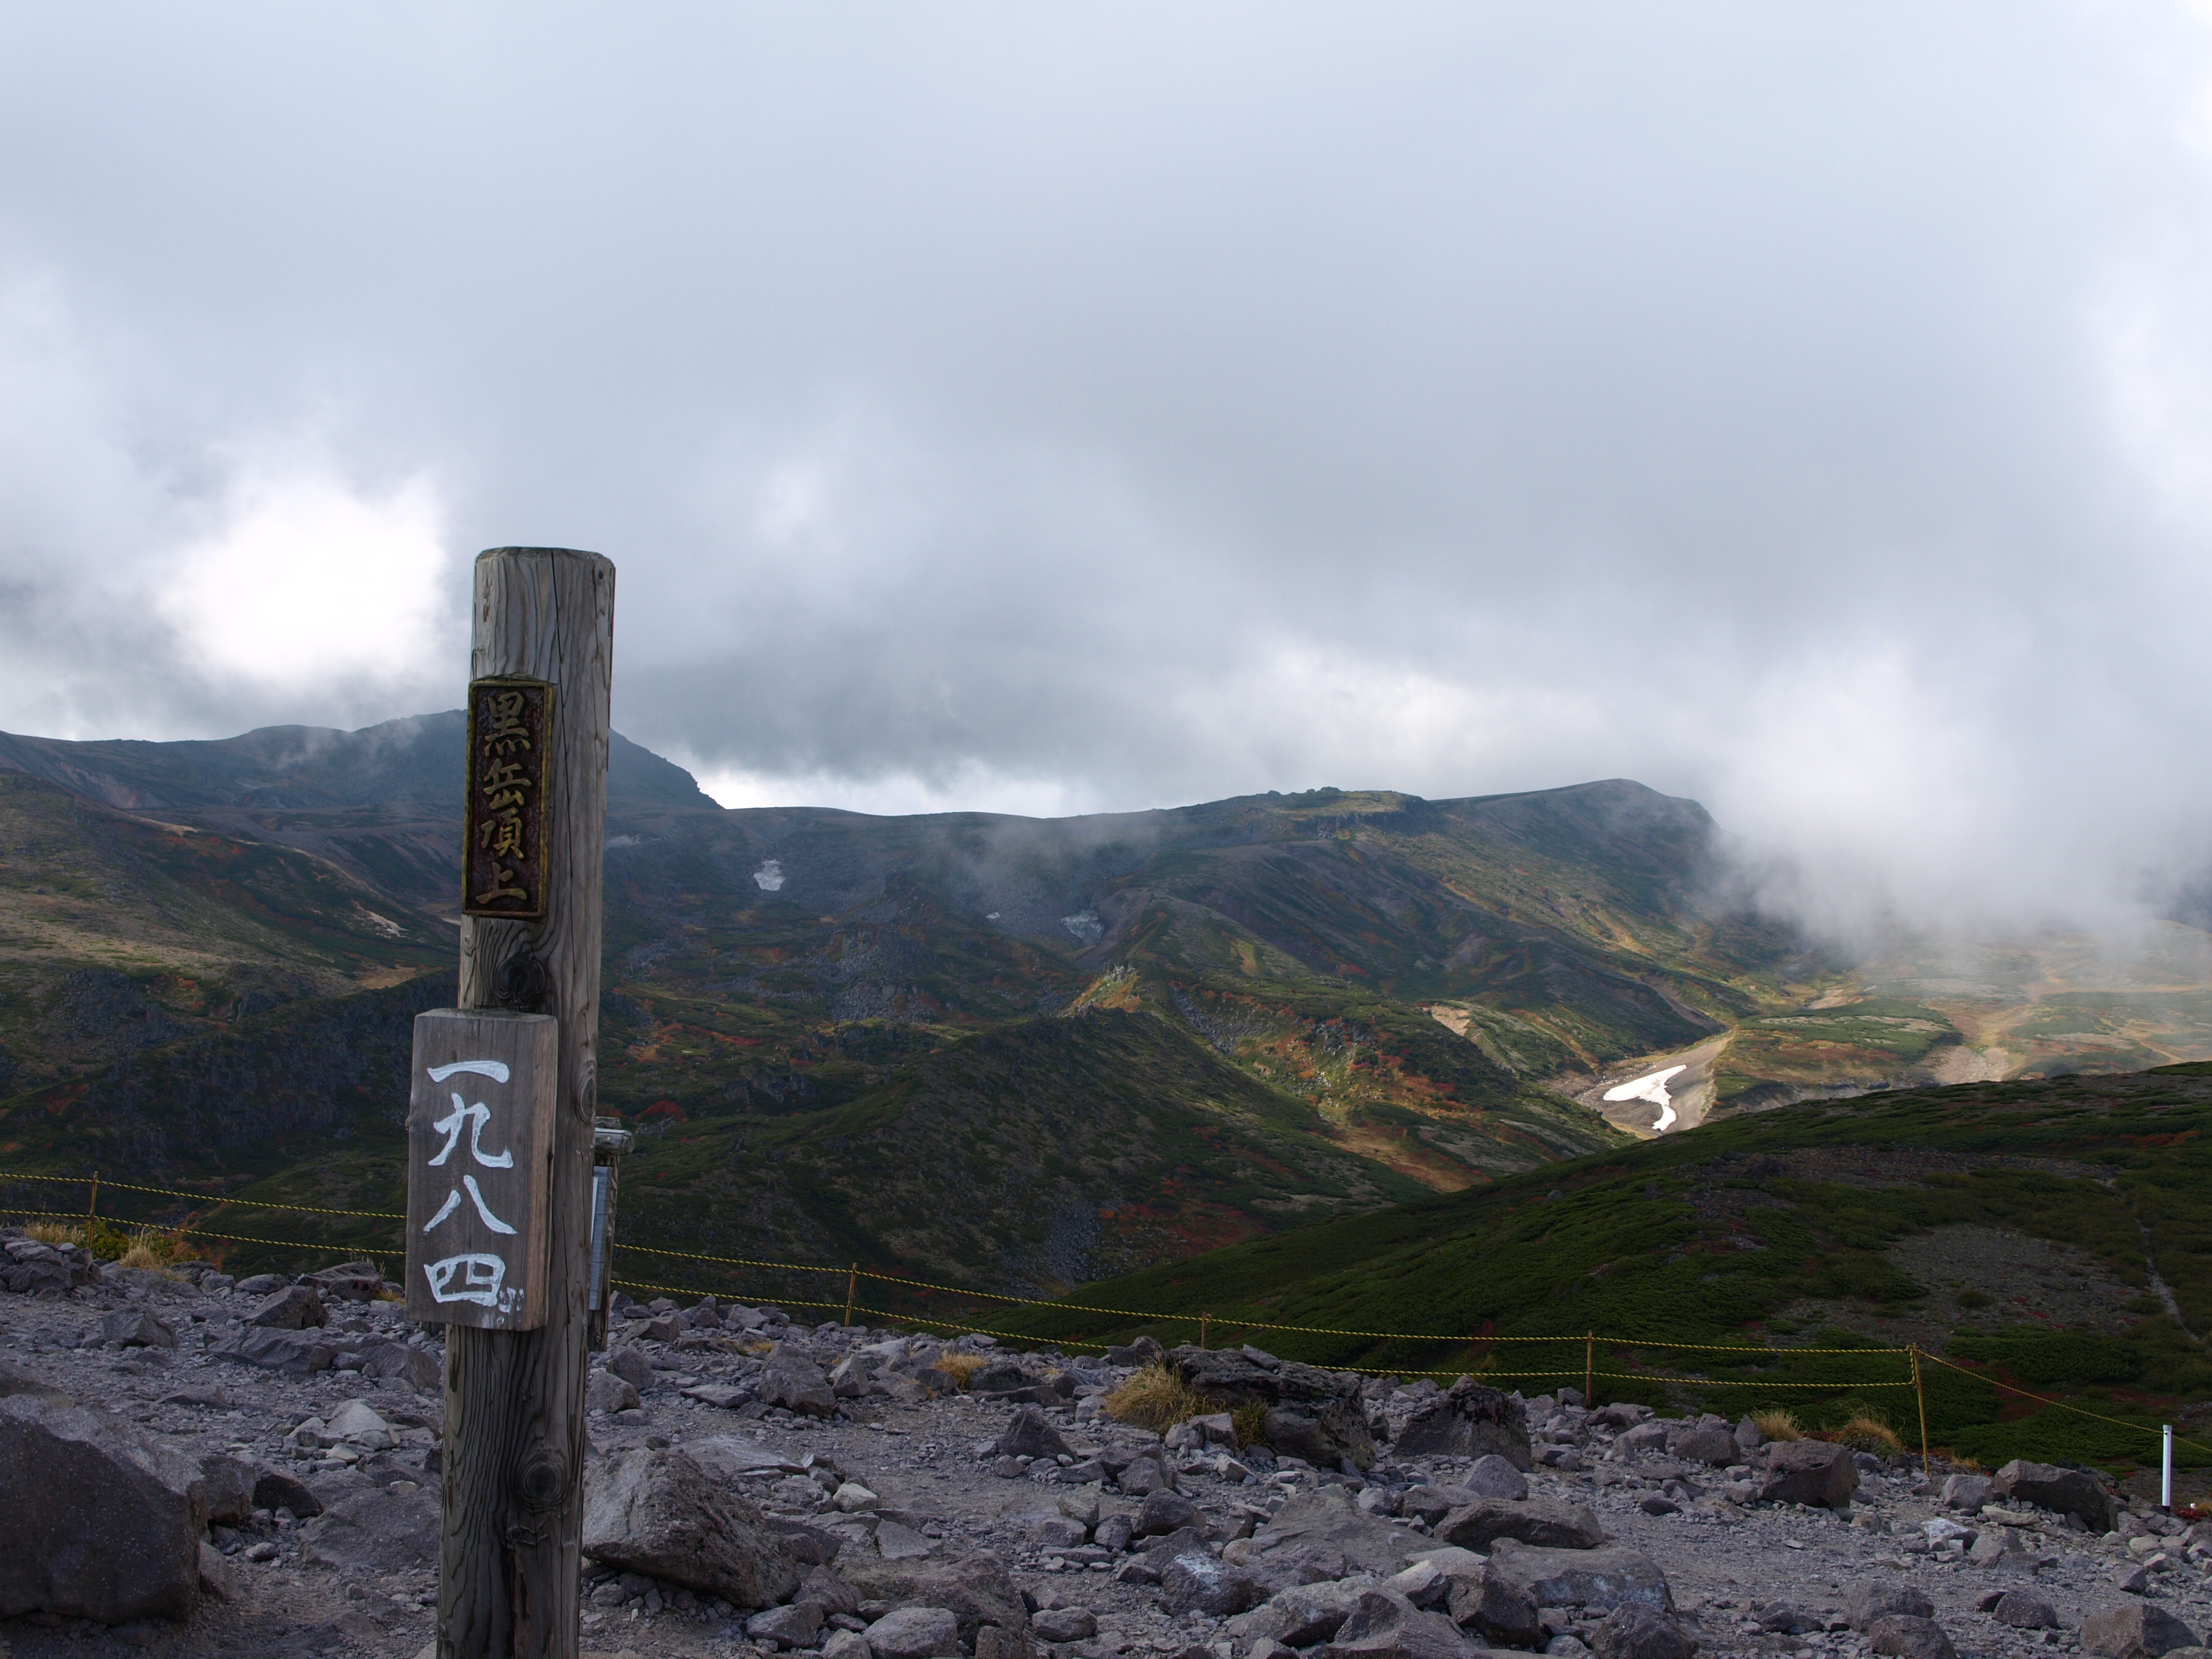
194, 1466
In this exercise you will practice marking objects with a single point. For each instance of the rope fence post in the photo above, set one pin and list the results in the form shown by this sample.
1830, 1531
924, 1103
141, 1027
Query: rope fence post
1920, 1398
852, 1277
1589, 1371
1204, 1321
92, 1206
2166, 1467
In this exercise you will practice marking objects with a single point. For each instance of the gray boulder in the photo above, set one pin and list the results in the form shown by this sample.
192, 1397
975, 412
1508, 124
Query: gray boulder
1144, 1476
293, 1309
977, 1590
1384, 1625
274, 1490
796, 1383
658, 1512
1300, 1616
1968, 1492
2068, 1491
1810, 1472
793, 1627
29, 1267
810, 1546
632, 1366
349, 1281
1716, 1447
1633, 1630
1470, 1420
1870, 1599
1064, 1625
1193, 1581
1905, 1636
1493, 1476
895, 1541
1581, 1578
1998, 1547
388, 1360
1318, 1415
1327, 1517
373, 1531
606, 1392
1285, 1567
916, 1633
2025, 1610
1163, 1512
1030, 1434
137, 1327
229, 1488
114, 1532
1539, 1520
2133, 1630
13, 1382
1500, 1610
829, 1592
274, 1349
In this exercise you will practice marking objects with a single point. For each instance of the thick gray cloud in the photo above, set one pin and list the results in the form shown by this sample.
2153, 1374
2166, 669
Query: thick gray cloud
1808, 409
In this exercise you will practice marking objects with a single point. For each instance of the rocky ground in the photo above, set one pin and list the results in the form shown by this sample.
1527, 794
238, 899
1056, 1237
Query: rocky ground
894, 1514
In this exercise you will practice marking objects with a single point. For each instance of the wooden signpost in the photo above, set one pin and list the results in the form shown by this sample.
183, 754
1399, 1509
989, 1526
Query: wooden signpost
500, 1179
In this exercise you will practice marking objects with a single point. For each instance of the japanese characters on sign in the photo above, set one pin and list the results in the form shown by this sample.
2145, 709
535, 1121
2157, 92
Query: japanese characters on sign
479, 1143
503, 861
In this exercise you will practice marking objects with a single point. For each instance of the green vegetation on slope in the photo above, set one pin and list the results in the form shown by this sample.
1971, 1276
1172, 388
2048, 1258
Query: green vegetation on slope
1788, 1230
119, 933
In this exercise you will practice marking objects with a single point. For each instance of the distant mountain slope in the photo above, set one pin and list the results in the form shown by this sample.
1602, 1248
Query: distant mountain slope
1438, 993
2058, 1229
412, 762
1030, 1156
119, 933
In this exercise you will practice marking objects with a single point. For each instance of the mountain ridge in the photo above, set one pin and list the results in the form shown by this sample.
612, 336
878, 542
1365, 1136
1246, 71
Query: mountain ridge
1363, 994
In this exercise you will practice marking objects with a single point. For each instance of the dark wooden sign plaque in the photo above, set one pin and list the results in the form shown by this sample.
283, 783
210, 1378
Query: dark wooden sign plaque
480, 1131
503, 852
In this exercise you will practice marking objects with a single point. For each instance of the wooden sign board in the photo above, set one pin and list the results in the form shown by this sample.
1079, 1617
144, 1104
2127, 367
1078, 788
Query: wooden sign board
480, 1119
503, 852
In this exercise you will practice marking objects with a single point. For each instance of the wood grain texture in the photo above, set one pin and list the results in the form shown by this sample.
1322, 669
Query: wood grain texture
513, 1509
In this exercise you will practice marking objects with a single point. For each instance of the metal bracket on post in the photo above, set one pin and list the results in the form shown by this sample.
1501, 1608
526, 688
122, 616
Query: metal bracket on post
610, 1140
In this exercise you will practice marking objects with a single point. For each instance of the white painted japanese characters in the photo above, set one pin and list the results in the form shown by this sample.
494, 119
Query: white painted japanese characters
479, 1149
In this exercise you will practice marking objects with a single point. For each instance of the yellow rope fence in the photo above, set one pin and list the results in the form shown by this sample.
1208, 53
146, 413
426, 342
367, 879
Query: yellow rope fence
1590, 1341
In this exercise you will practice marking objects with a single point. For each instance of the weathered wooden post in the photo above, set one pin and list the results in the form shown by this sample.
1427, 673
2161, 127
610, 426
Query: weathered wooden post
500, 1124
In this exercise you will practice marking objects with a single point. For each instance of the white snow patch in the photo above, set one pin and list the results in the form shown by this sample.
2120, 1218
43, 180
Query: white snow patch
1085, 926
769, 877
1652, 1088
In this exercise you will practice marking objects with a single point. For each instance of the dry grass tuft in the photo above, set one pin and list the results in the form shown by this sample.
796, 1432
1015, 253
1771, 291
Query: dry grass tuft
960, 1366
151, 1248
55, 1232
1251, 1420
1777, 1424
1866, 1432
1155, 1398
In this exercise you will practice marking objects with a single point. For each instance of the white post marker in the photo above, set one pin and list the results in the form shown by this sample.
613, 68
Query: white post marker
2165, 1470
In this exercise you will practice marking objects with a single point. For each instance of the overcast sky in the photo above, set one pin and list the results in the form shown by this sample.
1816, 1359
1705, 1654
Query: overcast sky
1807, 408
